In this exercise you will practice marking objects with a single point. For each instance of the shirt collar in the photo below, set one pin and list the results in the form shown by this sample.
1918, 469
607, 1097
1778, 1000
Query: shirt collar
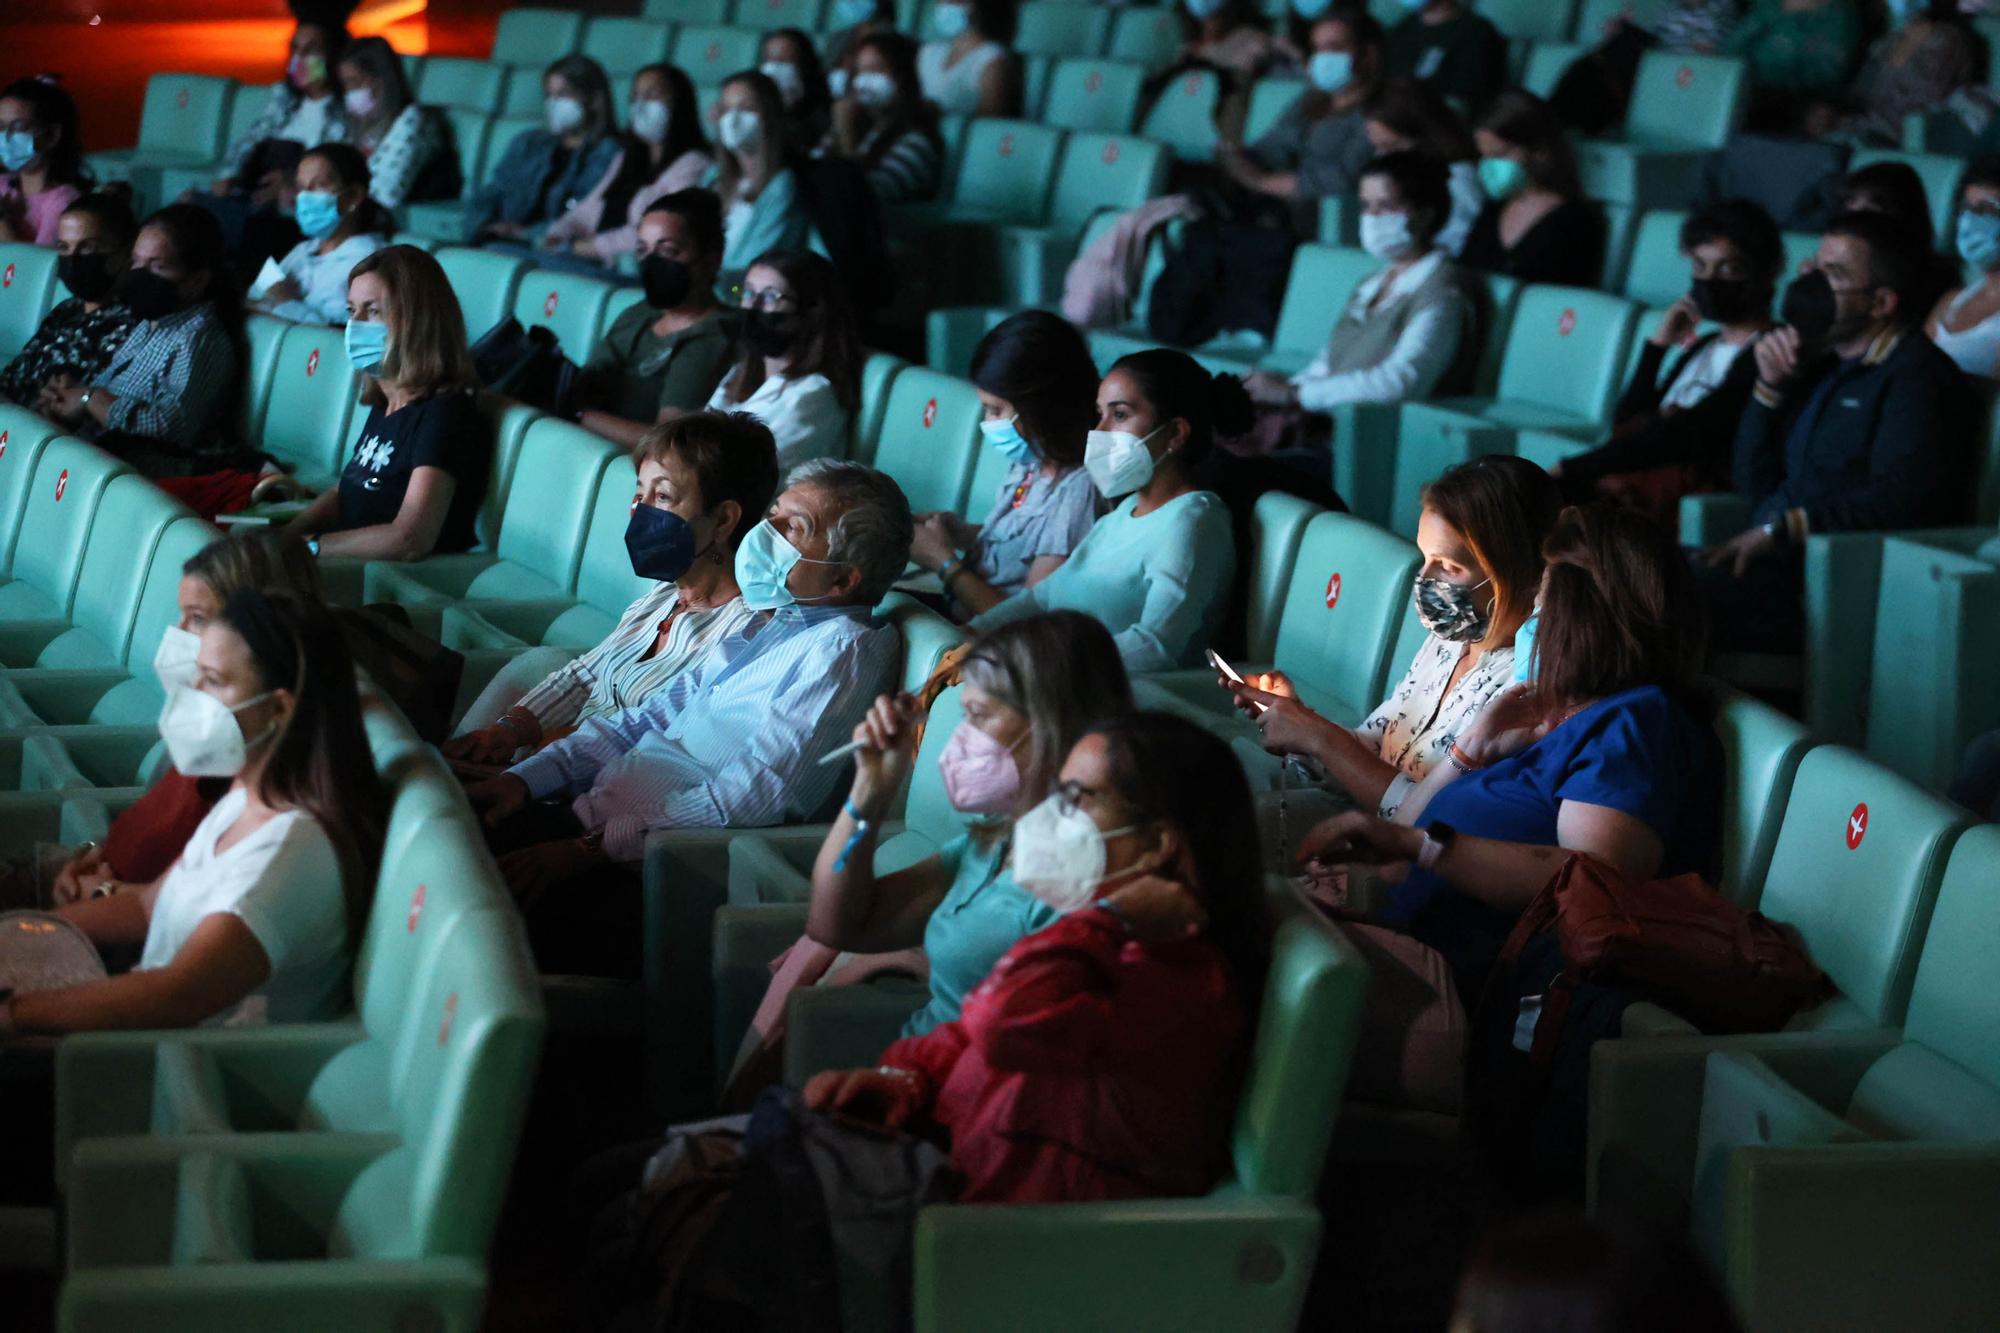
1885, 343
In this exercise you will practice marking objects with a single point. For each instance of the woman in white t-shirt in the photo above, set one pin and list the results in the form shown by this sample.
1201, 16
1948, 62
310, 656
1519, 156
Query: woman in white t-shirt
800, 370
256, 921
969, 68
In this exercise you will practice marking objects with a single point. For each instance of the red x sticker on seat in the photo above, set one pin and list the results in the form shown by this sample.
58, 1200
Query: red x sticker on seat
1093, 81
1684, 76
416, 907
1567, 324
549, 306
181, 99
3, 443
312, 363
1110, 153
1191, 85
7, 278
62, 484
1857, 826
1006, 145
450, 1013
930, 413
1333, 591
714, 52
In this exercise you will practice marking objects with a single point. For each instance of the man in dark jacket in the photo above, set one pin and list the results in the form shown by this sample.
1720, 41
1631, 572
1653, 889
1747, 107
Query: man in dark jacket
1857, 423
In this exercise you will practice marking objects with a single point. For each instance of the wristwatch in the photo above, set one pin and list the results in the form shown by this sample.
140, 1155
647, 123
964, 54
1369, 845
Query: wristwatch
592, 843
312, 547
1778, 531
1437, 841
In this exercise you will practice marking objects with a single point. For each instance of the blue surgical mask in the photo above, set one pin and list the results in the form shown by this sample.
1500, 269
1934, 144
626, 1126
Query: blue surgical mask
1979, 240
764, 563
1524, 647
317, 213
367, 343
660, 542
1501, 177
950, 21
17, 149
1007, 438
1330, 71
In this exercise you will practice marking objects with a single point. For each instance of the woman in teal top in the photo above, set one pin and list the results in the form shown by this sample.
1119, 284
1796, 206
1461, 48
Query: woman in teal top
1157, 569
962, 905
761, 205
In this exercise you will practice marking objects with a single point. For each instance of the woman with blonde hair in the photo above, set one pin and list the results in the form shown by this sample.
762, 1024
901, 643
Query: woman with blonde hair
419, 469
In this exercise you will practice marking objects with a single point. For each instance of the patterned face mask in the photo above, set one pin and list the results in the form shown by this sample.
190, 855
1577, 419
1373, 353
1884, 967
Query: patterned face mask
1452, 611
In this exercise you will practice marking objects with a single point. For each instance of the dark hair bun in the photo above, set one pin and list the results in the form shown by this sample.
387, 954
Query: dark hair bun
1230, 410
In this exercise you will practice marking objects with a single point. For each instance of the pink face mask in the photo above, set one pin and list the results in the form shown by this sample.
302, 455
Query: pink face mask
979, 773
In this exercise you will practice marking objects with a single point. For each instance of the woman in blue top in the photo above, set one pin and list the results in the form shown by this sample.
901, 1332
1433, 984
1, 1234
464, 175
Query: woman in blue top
1157, 569
1606, 751
545, 171
761, 206
1021, 719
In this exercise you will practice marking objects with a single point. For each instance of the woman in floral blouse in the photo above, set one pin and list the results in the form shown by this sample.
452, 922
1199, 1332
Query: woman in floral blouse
1481, 535
93, 248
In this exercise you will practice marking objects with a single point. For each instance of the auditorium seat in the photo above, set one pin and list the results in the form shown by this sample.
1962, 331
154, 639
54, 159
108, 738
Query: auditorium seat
28, 290
536, 37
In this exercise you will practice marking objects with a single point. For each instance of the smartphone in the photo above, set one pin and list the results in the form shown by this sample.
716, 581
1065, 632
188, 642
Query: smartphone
1217, 661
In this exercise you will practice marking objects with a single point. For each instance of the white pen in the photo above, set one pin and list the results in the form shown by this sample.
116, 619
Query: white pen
835, 755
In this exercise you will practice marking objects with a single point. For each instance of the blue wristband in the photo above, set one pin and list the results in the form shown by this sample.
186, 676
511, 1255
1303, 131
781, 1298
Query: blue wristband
862, 828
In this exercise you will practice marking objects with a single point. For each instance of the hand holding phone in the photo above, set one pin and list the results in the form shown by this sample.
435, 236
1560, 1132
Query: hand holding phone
1230, 673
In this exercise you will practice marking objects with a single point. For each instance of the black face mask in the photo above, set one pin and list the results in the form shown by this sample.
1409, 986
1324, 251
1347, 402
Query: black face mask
148, 295
667, 281
88, 277
1811, 307
1727, 300
768, 332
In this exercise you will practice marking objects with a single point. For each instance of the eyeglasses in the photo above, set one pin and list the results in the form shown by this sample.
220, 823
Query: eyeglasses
1070, 796
769, 298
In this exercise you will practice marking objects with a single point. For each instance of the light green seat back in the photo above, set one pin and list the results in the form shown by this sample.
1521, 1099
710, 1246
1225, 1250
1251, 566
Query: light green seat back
1298, 1066
1104, 171
1761, 750
1529, 20
1496, 297
536, 36
1686, 101
469, 85
1547, 63
1270, 99
711, 55
471, 135
1855, 870
159, 594
27, 291
929, 438
1944, 1082
1939, 173
467, 1064
1006, 170
313, 392
184, 115
1657, 274
1322, 279
1183, 117
70, 480
1060, 28
508, 431
1928, 693
878, 373
626, 45
522, 94
1093, 96
620, 300
805, 15
1592, 15
265, 333
928, 811
712, 13
1147, 37
548, 502
23, 436
926, 637
1277, 526
1343, 605
569, 305
604, 576
131, 519
1566, 351
484, 283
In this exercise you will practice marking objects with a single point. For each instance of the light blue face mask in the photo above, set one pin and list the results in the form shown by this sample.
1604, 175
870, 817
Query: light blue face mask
1311, 9
1524, 647
1007, 438
17, 149
1979, 240
367, 343
317, 213
950, 21
1330, 71
764, 563
1501, 177
1205, 9
852, 13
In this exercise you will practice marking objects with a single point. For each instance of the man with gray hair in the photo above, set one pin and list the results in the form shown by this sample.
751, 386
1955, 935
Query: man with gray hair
734, 740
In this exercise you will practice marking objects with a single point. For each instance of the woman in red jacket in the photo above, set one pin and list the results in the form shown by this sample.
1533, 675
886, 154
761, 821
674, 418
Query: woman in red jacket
1102, 1057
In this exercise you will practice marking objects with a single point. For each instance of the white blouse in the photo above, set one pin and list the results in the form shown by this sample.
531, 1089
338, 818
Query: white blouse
802, 414
1417, 723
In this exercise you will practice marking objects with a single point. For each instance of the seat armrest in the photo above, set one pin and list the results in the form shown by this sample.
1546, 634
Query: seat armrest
846, 1027
747, 941
439, 1295
686, 877
1709, 520
1160, 1264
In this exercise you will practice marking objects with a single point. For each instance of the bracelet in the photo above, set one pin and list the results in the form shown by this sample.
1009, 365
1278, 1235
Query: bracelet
951, 570
509, 721
1460, 761
863, 826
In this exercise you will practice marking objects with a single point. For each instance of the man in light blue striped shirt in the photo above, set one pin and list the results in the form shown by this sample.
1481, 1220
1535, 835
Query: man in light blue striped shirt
733, 740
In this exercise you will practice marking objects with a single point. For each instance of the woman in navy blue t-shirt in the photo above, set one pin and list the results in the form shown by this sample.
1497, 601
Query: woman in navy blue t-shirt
1608, 751
418, 472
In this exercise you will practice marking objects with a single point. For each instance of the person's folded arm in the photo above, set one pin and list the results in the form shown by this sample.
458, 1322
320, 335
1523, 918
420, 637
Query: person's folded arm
218, 966
412, 534
1184, 578
1412, 370
573, 763
197, 375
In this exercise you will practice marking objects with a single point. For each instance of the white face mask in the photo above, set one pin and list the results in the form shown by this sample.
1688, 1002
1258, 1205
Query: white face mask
360, 101
173, 661
874, 89
740, 129
564, 114
649, 120
1118, 461
1059, 857
202, 735
786, 75
1386, 235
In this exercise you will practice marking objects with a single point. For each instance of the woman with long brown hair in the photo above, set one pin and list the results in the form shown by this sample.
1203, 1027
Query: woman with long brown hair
800, 368
762, 208
418, 472
258, 918
1536, 226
